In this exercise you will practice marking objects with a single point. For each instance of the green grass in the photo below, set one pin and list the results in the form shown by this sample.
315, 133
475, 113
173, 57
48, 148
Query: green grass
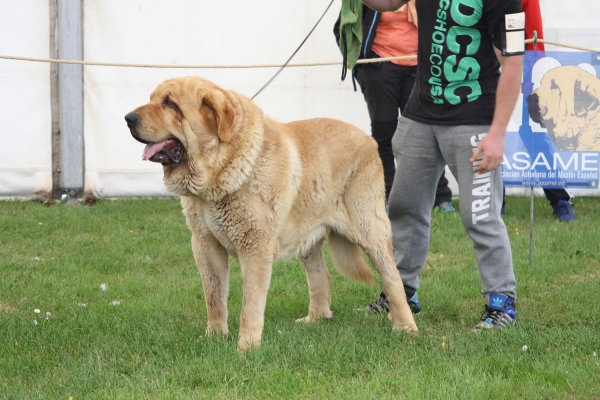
152, 343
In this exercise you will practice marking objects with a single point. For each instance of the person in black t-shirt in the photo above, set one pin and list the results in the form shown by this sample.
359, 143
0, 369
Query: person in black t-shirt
386, 86
457, 115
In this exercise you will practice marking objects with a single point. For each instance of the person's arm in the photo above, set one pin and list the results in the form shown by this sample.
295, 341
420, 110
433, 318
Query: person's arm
509, 87
384, 5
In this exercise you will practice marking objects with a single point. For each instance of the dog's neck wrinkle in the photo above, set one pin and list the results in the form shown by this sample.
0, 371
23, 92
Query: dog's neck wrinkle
240, 164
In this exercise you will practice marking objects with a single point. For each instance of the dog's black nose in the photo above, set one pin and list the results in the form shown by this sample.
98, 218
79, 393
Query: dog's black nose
535, 111
132, 119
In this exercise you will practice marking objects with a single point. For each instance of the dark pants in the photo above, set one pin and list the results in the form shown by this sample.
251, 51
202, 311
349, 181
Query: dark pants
386, 87
554, 195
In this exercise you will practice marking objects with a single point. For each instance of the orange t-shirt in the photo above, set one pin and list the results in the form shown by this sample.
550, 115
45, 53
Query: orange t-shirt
396, 37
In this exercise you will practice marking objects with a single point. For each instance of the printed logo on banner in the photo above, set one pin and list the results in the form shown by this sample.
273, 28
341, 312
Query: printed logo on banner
554, 137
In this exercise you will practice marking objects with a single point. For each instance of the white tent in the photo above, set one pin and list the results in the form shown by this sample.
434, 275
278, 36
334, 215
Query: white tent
181, 32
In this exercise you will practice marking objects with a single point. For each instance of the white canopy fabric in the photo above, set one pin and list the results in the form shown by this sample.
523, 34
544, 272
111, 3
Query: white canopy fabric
177, 32
26, 161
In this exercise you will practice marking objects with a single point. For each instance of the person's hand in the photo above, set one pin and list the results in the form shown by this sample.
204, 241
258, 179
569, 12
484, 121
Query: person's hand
492, 149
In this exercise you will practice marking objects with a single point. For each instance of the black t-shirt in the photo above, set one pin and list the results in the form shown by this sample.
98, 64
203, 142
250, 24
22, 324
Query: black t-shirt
457, 68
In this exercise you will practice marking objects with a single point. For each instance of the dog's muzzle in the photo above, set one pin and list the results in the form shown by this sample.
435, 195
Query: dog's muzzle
169, 151
533, 106
132, 120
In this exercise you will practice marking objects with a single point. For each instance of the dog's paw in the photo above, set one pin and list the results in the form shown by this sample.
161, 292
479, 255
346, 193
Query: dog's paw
412, 329
213, 331
248, 344
315, 318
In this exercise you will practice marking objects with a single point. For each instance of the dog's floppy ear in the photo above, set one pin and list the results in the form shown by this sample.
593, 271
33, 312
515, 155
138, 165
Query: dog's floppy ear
584, 100
219, 111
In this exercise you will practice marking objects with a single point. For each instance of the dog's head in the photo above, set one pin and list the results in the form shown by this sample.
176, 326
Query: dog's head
196, 129
178, 106
566, 103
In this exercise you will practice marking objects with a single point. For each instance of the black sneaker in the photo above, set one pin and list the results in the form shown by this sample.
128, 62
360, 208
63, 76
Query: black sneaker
499, 313
414, 304
382, 304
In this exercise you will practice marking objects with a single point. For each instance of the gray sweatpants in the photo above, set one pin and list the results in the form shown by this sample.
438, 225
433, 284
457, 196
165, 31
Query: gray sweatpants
421, 152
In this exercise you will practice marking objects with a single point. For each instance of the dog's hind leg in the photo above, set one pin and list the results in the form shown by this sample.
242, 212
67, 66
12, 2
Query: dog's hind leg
318, 280
369, 227
213, 263
381, 255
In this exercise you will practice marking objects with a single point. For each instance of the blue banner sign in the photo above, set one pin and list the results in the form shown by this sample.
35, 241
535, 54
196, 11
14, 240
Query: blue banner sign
553, 140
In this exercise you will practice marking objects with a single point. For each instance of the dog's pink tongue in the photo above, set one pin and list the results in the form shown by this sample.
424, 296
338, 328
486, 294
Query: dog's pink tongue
151, 149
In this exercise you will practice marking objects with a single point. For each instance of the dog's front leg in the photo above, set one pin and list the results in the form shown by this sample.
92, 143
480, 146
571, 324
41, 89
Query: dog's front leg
256, 276
213, 263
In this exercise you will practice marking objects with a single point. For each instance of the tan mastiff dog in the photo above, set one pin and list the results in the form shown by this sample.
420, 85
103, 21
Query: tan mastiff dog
567, 104
261, 191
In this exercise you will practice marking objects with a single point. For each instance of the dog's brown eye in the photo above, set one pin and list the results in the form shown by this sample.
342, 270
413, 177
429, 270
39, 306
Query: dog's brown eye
168, 103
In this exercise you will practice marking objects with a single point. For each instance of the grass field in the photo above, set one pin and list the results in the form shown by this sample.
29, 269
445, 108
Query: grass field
127, 315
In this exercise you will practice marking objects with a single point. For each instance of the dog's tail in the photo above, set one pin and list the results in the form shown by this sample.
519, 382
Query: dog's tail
348, 259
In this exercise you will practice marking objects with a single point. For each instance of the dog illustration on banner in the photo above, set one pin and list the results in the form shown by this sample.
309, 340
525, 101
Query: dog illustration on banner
567, 104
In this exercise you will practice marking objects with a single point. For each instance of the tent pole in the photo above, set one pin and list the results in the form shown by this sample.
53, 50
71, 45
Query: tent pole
70, 98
